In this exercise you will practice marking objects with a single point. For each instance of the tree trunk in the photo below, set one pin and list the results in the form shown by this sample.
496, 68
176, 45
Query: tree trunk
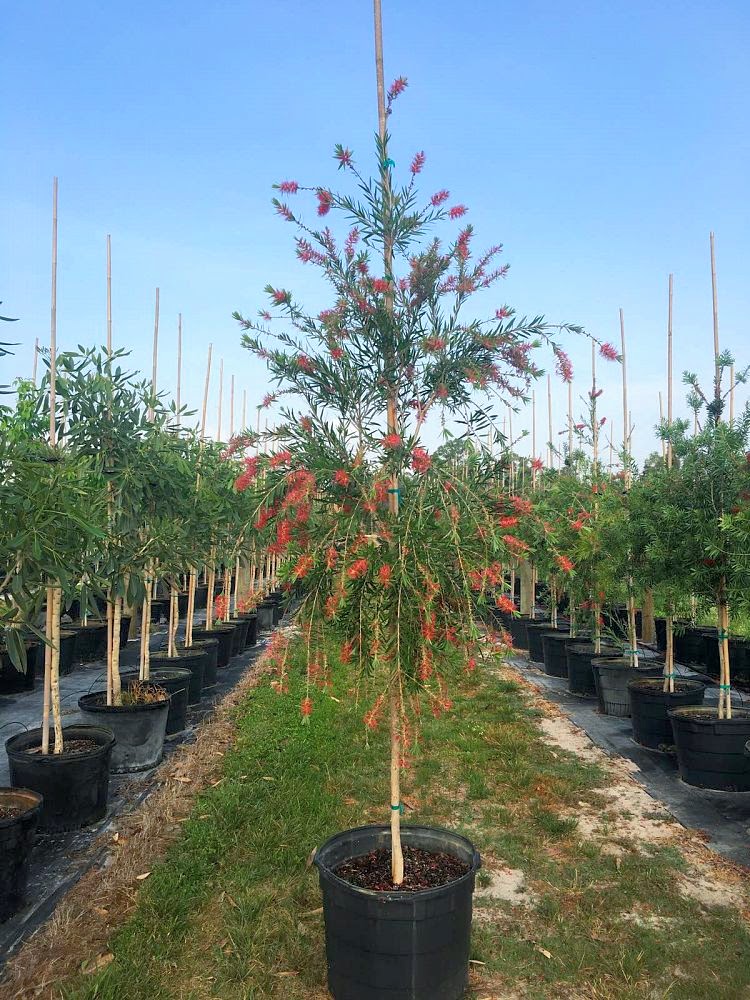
397, 856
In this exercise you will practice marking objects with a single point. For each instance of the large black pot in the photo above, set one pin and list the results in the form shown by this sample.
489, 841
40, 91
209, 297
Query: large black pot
711, 751
139, 730
91, 640
534, 632
614, 674
660, 625
240, 626
224, 636
159, 609
16, 841
396, 945
74, 787
13, 681
68, 644
265, 612
194, 661
555, 653
175, 681
251, 638
649, 705
689, 644
201, 595
581, 680
518, 632
211, 648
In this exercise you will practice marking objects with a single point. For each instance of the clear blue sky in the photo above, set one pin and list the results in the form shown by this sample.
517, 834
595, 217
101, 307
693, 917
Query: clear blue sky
598, 141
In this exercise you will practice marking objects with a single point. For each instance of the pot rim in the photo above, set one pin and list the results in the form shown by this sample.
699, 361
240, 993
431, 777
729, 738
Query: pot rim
650, 682
704, 716
104, 739
32, 805
400, 896
87, 703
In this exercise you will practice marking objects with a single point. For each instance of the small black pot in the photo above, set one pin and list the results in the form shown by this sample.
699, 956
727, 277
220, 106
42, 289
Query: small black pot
711, 751
239, 636
13, 681
16, 841
614, 674
661, 633
91, 640
251, 638
139, 730
649, 705
68, 644
224, 635
534, 632
265, 612
689, 645
201, 595
159, 609
518, 632
581, 680
74, 787
554, 653
182, 603
211, 648
396, 945
194, 661
175, 681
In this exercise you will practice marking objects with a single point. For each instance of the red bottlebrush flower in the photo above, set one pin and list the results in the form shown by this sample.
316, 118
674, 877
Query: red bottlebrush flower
289, 187
384, 575
505, 604
417, 163
337, 353
332, 557
280, 296
351, 241
537, 464
325, 200
284, 532
280, 458
502, 313
521, 505
609, 352
434, 344
284, 211
442, 392
344, 156
303, 566
221, 606
268, 400
265, 315
306, 707
577, 524
454, 514
381, 285
398, 86
515, 544
357, 569
306, 424
508, 522
347, 649
595, 395
579, 427
439, 197
457, 211
564, 365
471, 665
371, 718
429, 630
462, 248
420, 460
602, 422
341, 477
565, 564
391, 441
305, 363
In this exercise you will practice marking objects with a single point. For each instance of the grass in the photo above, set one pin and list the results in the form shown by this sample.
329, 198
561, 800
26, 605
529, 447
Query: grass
233, 911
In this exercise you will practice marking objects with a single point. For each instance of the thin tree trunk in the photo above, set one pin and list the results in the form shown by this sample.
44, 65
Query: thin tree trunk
192, 583
669, 658
47, 669
116, 622
55, 671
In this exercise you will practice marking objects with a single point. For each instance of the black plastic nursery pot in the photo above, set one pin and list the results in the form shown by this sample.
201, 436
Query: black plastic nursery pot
211, 648
710, 750
517, 627
239, 635
159, 609
91, 640
13, 681
614, 674
194, 661
201, 595
223, 635
176, 682
182, 603
19, 816
396, 945
534, 632
689, 644
265, 612
581, 680
650, 705
74, 785
660, 625
68, 645
555, 653
251, 639
139, 729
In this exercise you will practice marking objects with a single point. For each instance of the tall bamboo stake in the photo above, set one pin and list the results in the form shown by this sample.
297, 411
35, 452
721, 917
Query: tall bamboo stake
231, 407
179, 367
35, 360
550, 451
221, 398
193, 579
109, 294
669, 368
632, 638
570, 420
155, 354
715, 303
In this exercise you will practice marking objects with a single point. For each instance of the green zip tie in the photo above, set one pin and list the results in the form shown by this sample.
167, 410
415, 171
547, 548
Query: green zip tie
388, 163
399, 808
634, 652
397, 491
722, 635
673, 674
725, 687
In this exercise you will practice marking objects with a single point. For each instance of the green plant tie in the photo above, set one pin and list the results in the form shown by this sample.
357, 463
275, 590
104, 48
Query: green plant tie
722, 635
633, 652
399, 808
396, 490
725, 687
388, 163
672, 674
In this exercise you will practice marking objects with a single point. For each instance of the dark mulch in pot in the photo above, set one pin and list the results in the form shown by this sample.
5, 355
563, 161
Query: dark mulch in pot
652, 684
70, 747
422, 870
10, 812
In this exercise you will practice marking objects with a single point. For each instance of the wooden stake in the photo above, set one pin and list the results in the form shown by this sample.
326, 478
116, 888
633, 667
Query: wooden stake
221, 398
533, 439
594, 424
35, 361
570, 421
661, 424
205, 393
109, 294
669, 368
156, 354
715, 303
244, 409
550, 450
231, 407
53, 328
731, 394
179, 367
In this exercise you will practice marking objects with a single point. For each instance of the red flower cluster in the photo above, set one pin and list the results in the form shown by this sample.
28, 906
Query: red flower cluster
384, 575
609, 352
508, 522
289, 187
521, 505
303, 566
537, 464
457, 211
515, 544
325, 200
280, 458
417, 163
420, 460
344, 156
435, 343
305, 363
341, 477
221, 606
505, 604
391, 441
565, 564
337, 353
244, 479
306, 707
439, 197
280, 296
398, 86
371, 718
357, 569
380, 285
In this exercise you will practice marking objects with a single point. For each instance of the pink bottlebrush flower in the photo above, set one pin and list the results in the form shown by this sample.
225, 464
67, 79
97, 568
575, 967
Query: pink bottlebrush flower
344, 156
306, 707
337, 353
435, 343
265, 315
268, 400
391, 441
384, 575
505, 604
341, 477
325, 200
420, 460
280, 296
289, 187
602, 422
284, 211
564, 365
457, 211
440, 197
351, 241
595, 395
306, 424
305, 363
381, 285
502, 313
609, 352
537, 464
462, 243
417, 163
578, 427
397, 87
508, 521
565, 564
280, 458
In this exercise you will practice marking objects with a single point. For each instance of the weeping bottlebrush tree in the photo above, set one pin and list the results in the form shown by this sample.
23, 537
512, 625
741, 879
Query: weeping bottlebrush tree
390, 544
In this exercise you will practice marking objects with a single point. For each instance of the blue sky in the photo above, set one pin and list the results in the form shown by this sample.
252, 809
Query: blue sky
598, 141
